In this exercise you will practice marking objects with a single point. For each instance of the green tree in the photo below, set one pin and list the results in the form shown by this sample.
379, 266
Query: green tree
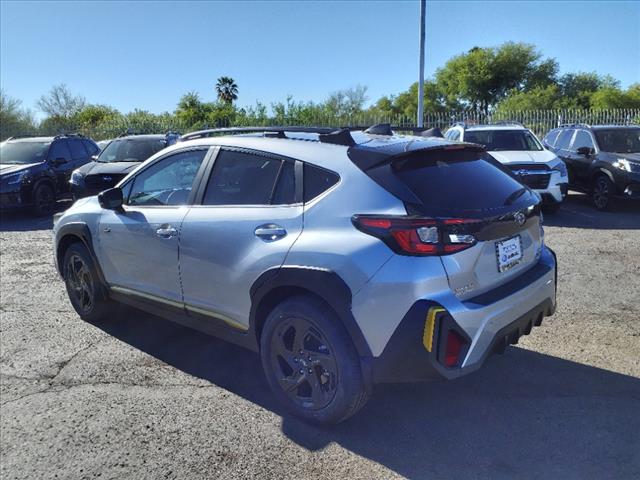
191, 110
14, 120
226, 89
482, 77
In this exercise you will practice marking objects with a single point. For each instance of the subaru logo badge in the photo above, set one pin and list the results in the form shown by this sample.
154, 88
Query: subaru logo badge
519, 218
107, 178
521, 173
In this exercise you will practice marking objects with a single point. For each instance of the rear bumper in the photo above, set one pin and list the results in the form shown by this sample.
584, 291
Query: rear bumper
488, 323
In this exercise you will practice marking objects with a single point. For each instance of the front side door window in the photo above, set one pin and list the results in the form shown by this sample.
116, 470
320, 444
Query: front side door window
167, 182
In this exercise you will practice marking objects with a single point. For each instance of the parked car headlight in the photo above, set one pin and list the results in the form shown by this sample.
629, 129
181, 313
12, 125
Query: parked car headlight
14, 178
560, 167
76, 178
627, 166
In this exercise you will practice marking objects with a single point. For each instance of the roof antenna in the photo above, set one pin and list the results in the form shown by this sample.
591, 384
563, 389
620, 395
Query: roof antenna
380, 129
340, 137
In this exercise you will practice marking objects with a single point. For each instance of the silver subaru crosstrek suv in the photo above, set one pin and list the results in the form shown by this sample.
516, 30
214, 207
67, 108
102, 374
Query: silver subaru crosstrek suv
344, 258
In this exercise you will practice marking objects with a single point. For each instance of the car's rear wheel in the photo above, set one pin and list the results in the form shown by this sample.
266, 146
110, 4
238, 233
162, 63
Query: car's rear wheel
83, 286
602, 192
311, 363
44, 200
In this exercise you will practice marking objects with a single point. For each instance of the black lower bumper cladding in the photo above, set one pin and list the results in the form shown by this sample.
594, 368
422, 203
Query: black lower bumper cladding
405, 358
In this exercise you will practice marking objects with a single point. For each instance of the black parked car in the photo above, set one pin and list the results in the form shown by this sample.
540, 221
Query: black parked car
118, 158
603, 160
35, 171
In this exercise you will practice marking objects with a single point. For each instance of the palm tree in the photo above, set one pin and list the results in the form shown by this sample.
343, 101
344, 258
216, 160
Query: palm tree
227, 89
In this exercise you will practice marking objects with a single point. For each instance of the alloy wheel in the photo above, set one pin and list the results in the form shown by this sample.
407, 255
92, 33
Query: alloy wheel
304, 364
80, 283
45, 200
601, 193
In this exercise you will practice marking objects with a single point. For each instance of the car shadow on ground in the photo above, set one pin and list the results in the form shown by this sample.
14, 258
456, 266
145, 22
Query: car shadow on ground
25, 221
577, 212
524, 415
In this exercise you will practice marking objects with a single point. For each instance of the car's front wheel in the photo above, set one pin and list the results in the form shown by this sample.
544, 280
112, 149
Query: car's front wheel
311, 363
83, 286
602, 192
44, 200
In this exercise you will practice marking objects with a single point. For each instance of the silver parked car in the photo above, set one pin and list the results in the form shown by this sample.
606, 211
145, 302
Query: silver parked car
344, 258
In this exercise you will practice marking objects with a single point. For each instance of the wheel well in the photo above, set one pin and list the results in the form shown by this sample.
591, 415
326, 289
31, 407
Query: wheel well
45, 181
600, 173
275, 297
64, 243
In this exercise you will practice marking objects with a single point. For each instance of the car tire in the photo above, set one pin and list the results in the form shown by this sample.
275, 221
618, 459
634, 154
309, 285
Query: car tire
551, 208
44, 200
84, 288
311, 363
602, 193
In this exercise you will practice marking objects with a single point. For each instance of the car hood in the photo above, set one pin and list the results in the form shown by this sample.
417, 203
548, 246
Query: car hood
105, 168
507, 157
7, 168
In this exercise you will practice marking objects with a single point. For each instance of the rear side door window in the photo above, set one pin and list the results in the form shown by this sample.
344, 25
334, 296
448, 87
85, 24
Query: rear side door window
59, 150
243, 178
582, 139
91, 147
78, 152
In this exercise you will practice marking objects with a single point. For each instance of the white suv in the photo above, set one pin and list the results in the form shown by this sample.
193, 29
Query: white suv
517, 148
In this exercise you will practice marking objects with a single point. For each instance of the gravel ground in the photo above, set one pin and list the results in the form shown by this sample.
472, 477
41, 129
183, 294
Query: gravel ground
140, 397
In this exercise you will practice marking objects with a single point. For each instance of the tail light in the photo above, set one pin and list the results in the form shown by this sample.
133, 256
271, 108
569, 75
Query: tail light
419, 236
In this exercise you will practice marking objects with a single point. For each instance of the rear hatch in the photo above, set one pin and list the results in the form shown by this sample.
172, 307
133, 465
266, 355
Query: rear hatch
477, 200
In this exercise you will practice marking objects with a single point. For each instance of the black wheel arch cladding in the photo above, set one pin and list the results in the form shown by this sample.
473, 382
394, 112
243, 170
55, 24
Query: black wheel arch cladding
280, 282
72, 233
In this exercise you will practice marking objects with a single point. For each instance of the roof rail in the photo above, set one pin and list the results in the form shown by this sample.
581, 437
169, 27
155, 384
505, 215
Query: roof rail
509, 122
67, 135
280, 130
565, 125
27, 135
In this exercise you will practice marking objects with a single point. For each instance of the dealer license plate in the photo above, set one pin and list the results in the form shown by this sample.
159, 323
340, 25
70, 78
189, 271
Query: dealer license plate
508, 253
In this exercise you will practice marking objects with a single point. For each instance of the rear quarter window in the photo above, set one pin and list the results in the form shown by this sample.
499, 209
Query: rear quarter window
317, 180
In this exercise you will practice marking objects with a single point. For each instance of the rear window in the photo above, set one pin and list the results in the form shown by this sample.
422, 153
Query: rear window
503, 140
459, 181
131, 150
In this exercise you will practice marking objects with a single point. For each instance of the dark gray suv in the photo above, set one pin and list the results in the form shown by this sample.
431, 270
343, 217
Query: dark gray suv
603, 160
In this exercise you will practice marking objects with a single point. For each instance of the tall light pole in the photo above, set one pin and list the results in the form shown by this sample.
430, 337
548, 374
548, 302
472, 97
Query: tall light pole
421, 81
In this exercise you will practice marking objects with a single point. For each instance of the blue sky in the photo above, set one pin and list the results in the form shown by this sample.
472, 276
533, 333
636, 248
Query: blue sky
147, 54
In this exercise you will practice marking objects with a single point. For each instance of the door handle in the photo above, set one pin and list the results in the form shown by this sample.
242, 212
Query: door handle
166, 231
270, 232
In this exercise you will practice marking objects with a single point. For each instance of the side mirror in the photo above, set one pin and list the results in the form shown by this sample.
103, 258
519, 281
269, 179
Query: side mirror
59, 161
94, 158
111, 199
586, 151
